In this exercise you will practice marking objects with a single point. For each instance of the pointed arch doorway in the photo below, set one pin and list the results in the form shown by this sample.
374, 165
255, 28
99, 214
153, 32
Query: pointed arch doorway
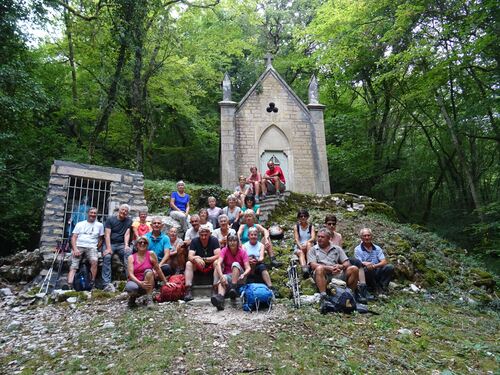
274, 145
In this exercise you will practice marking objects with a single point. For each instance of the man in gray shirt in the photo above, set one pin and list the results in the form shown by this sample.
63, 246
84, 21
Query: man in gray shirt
329, 261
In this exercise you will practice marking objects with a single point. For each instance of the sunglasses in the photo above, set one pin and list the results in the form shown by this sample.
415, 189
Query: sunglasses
303, 216
331, 223
142, 243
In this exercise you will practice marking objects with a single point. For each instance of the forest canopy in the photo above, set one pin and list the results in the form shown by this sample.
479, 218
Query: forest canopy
410, 88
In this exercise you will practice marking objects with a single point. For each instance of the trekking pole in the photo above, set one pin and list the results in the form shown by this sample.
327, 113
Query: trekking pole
46, 280
64, 249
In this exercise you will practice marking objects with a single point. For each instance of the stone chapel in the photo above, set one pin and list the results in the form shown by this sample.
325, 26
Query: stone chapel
272, 123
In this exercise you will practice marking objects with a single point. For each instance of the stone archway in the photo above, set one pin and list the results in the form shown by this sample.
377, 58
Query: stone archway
274, 144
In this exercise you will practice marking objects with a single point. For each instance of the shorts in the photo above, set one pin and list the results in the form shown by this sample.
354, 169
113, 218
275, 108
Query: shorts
329, 276
229, 276
271, 189
89, 252
256, 277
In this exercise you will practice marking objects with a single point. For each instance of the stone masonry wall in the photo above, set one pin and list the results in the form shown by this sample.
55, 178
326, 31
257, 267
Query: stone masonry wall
126, 187
293, 119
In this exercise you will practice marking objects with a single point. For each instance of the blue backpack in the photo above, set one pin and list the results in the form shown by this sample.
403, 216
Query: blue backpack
255, 296
82, 279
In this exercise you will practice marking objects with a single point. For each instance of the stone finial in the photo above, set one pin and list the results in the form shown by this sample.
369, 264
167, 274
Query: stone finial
269, 60
226, 88
313, 90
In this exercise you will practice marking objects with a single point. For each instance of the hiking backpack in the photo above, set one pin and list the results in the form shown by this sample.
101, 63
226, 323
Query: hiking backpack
82, 279
342, 300
172, 293
255, 296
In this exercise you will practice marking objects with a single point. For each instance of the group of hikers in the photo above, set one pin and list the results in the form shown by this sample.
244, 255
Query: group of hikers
227, 245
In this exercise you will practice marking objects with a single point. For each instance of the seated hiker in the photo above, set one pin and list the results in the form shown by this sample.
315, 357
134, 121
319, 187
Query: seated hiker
141, 278
117, 240
231, 270
378, 272
255, 251
250, 204
203, 214
232, 210
141, 227
192, 232
362, 294
242, 190
159, 243
178, 253
223, 231
304, 235
329, 261
203, 252
249, 220
273, 180
86, 239
179, 205
213, 212
255, 180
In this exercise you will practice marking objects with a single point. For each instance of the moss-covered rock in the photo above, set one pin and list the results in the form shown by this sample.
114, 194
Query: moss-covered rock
419, 261
380, 208
433, 277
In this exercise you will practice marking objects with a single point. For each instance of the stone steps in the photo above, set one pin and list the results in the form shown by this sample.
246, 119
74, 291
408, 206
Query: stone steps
269, 204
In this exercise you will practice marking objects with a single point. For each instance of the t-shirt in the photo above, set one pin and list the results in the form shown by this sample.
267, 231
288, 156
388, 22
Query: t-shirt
88, 233
176, 243
218, 234
191, 233
252, 250
244, 235
254, 178
159, 244
334, 255
228, 259
336, 239
277, 170
202, 251
213, 215
232, 215
374, 256
180, 202
142, 229
118, 228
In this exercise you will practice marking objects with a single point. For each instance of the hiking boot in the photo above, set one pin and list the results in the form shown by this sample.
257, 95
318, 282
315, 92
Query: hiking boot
131, 302
189, 294
361, 293
91, 285
69, 286
278, 194
256, 199
275, 263
323, 296
233, 293
218, 301
263, 197
109, 288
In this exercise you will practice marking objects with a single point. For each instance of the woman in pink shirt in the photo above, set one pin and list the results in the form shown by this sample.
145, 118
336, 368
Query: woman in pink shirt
231, 270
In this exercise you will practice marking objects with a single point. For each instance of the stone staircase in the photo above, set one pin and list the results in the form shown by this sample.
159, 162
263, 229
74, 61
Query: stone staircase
269, 204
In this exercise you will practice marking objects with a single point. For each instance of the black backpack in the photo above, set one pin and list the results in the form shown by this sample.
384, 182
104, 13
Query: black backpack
342, 300
82, 278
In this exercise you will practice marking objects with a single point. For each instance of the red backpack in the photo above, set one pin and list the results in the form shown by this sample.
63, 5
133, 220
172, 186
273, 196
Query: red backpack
172, 293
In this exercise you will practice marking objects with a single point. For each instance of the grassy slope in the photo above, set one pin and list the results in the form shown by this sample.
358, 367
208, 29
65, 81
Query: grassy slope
446, 336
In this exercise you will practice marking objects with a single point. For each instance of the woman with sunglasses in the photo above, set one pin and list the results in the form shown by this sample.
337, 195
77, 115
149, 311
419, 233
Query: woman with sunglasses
141, 279
250, 204
304, 235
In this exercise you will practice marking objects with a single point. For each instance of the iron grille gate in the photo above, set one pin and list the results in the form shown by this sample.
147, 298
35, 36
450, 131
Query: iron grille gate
82, 194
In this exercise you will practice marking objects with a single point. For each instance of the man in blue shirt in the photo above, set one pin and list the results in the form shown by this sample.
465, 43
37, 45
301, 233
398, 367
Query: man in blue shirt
159, 243
377, 271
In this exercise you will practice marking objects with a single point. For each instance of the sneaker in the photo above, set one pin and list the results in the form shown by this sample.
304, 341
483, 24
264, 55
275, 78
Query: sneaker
131, 302
363, 291
322, 296
263, 197
92, 285
275, 263
149, 302
233, 293
189, 295
68, 286
218, 302
256, 199
109, 288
